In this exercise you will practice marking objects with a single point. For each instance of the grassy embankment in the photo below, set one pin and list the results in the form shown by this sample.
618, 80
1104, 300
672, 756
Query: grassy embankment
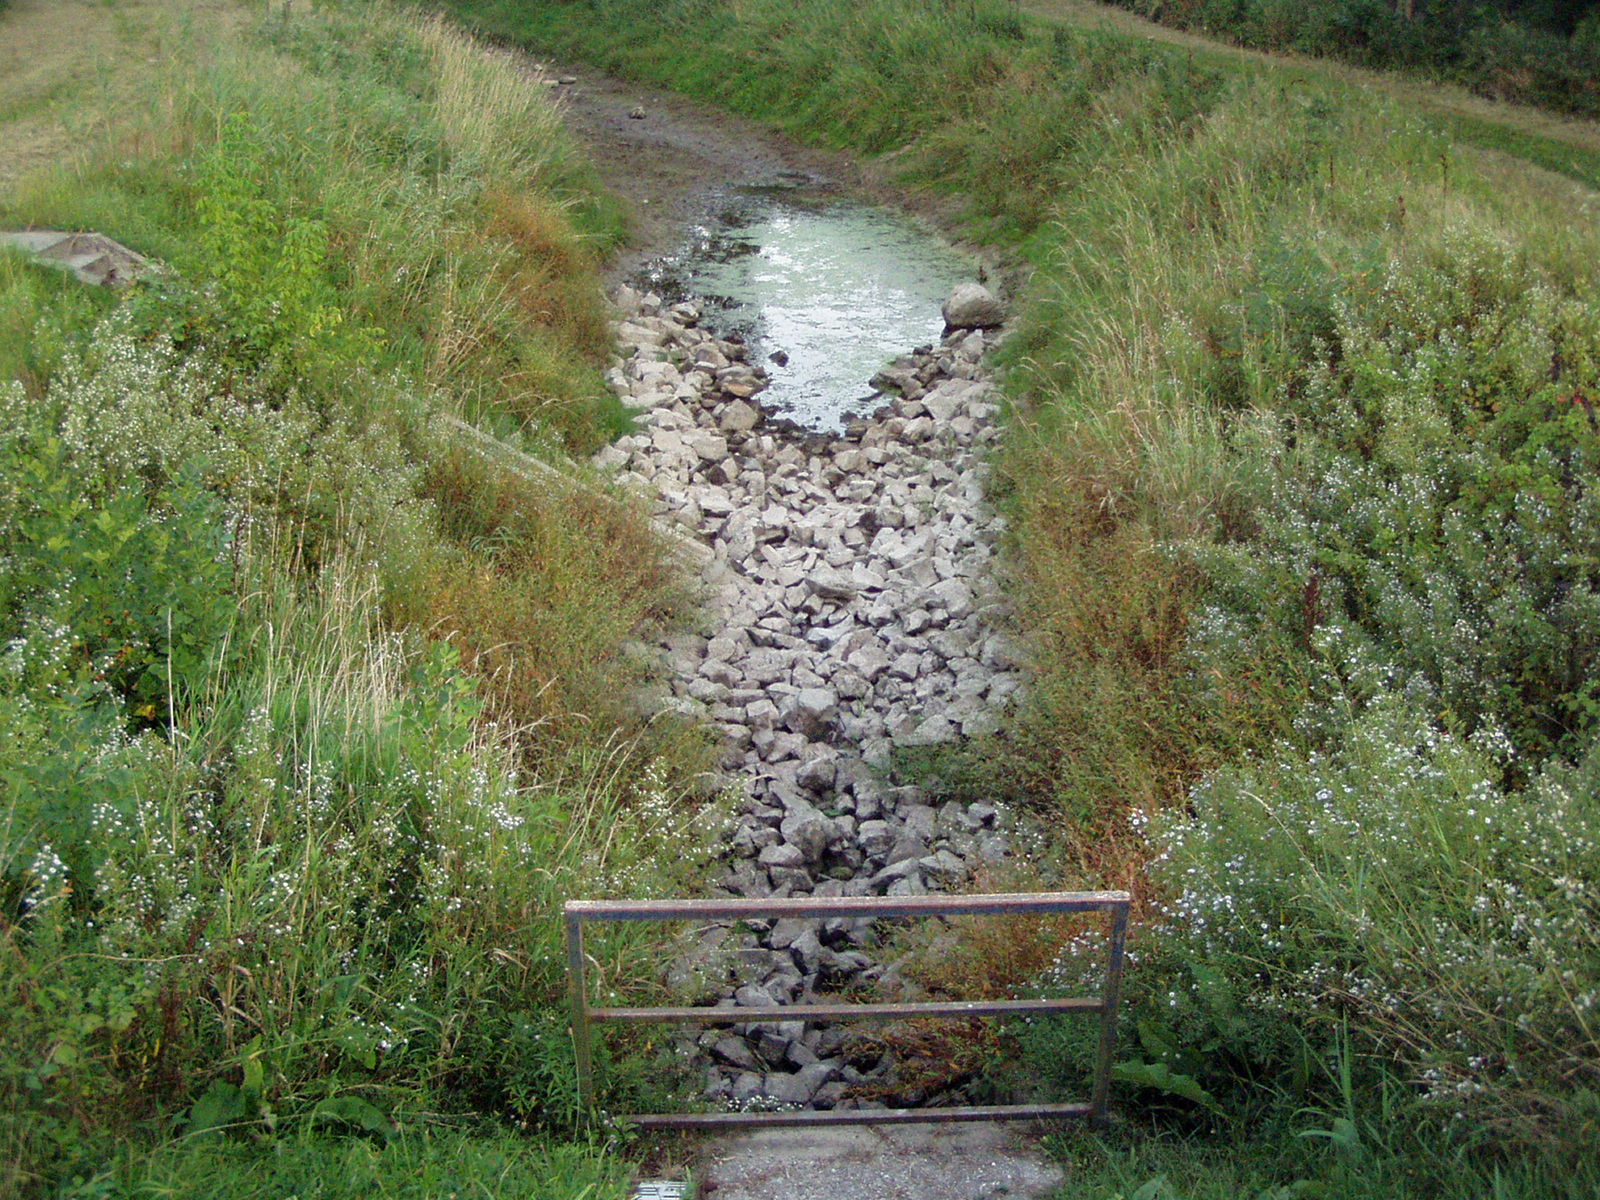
312, 717
1561, 144
1300, 472
1544, 53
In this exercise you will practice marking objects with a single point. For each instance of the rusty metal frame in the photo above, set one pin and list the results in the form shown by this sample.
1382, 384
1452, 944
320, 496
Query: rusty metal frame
577, 912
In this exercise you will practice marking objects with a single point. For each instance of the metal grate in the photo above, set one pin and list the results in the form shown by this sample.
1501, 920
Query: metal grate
655, 1189
1104, 1005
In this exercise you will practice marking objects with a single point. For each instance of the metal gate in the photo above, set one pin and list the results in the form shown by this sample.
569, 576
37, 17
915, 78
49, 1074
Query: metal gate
1115, 904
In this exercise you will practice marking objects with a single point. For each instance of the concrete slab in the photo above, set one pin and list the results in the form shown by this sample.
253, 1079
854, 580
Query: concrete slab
976, 1161
92, 257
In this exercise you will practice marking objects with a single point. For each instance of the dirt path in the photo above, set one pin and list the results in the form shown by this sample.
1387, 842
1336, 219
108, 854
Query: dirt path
676, 163
907, 1162
675, 160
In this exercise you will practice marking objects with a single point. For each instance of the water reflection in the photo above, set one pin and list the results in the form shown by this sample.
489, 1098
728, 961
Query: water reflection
838, 287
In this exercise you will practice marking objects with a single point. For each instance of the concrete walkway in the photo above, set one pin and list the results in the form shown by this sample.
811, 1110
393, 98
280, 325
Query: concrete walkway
978, 1161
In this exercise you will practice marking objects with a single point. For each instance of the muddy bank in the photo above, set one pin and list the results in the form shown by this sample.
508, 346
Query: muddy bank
677, 160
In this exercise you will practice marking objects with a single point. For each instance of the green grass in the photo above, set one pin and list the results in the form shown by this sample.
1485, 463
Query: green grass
1575, 162
315, 716
1523, 53
1329, 1160
1298, 476
423, 1164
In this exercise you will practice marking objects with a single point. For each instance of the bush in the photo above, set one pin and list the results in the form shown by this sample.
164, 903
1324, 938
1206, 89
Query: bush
324, 895
1437, 512
1393, 888
108, 593
1507, 50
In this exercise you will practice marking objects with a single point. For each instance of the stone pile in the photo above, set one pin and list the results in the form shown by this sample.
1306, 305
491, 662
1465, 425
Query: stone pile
853, 608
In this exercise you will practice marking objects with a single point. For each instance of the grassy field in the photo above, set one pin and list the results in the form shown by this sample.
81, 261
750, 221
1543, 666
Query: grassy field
1563, 144
314, 716
1303, 538
1540, 54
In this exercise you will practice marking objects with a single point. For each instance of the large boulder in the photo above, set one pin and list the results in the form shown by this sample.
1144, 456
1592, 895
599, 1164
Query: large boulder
972, 306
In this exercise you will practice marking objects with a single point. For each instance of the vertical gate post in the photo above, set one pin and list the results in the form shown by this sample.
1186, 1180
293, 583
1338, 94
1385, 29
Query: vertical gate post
577, 993
1109, 997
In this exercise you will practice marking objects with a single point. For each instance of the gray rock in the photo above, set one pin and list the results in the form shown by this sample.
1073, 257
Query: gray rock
790, 881
735, 1051
800, 1087
850, 591
911, 885
739, 380
753, 996
874, 838
738, 417
930, 732
807, 950
869, 662
708, 446
747, 1085
785, 930
831, 584
894, 872
943, 867
921, 820
812, 713
817, 775
972, 306
954, 595
985, 723
809, 832
745, 880
786, 854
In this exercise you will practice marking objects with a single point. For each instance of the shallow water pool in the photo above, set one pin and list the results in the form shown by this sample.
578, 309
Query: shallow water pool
824, 291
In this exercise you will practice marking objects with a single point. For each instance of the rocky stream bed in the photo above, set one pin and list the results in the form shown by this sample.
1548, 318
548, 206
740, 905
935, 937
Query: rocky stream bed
854, 607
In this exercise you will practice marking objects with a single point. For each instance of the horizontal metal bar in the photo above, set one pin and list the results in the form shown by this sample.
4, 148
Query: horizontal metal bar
860, 1116
844, 906
847, 1012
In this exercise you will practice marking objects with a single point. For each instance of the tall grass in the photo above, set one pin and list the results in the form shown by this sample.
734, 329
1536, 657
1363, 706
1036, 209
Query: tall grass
314, 717
1300, 439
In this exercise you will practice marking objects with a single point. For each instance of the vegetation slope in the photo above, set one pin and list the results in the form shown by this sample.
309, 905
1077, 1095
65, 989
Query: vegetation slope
1544, 52
314, 714
1300, 476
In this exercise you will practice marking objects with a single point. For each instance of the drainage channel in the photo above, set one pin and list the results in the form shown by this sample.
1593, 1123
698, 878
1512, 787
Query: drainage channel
851, 605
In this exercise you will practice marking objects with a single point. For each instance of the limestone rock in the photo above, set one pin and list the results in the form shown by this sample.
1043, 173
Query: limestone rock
849, 606
972, 306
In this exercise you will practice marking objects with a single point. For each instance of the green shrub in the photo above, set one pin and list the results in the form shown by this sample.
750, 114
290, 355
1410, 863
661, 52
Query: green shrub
272, 861
1508, 50
107, 593
324, 894
1393, 888
1437, 508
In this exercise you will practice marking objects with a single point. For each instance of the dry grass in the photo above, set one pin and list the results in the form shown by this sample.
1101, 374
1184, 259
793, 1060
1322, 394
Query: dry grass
498, 117
553, 587
69, 68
